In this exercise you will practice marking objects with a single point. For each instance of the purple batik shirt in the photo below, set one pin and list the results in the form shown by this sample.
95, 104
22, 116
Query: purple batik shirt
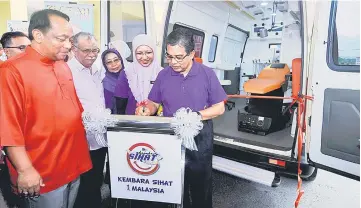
123, 90
199, 90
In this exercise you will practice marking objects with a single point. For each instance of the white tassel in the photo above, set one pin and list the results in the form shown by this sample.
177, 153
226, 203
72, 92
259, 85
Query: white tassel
186, 125
96, 123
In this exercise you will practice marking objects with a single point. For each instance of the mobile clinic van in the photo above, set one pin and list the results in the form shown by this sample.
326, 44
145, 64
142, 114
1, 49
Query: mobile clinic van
293, 70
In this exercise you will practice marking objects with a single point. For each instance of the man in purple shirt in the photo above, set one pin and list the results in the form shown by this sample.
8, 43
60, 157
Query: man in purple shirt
186, 83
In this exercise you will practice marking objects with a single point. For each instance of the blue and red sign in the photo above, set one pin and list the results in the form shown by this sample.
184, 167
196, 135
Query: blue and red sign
143, 159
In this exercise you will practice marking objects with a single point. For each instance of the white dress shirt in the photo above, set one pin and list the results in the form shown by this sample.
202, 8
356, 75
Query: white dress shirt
89, 88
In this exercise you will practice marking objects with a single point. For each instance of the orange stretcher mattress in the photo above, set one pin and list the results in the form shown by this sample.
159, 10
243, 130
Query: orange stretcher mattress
270, 78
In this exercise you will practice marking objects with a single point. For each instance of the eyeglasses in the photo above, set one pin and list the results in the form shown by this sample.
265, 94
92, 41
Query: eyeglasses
88, 51
176, 58
21, 47
115, 61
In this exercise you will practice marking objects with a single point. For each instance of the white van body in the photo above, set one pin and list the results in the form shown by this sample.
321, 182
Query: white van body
227, 39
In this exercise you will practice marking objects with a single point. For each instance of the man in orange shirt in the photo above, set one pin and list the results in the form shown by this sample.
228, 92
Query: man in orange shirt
40, 117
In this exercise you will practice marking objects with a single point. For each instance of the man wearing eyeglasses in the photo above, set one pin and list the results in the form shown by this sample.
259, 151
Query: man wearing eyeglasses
88, 84
186, 83
14, 43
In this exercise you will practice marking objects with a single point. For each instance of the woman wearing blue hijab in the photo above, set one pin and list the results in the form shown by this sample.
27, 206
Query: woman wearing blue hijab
113, 64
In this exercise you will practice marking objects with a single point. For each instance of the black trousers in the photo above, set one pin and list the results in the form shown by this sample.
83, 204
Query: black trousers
198, 170
89, 194
10, 197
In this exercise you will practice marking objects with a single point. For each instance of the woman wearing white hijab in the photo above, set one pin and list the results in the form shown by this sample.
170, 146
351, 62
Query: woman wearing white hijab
136, 81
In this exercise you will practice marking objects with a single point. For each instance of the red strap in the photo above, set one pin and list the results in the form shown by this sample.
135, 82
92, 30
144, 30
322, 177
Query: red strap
299, 150
143, 103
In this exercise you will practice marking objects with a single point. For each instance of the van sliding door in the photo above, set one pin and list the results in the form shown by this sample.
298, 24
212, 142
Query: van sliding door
233, 47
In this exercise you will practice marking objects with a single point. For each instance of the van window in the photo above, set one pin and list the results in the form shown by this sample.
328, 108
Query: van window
213, 49
198, 37
126, 20
344, 36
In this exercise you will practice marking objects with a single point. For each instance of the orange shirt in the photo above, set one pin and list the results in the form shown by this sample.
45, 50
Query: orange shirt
1, 155
39, 109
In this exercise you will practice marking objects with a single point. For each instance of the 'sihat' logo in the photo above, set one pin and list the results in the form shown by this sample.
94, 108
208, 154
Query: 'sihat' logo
143, 159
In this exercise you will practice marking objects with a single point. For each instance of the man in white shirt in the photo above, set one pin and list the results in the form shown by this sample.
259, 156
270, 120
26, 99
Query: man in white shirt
88, 84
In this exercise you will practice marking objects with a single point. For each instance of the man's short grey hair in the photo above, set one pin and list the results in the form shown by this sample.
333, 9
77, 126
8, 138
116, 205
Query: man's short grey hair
182, 37
79, 35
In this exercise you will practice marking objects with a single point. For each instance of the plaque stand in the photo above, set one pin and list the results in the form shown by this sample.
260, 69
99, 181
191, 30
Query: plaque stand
143, 125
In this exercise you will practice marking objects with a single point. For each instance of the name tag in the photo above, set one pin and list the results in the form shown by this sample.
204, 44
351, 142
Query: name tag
152, 82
